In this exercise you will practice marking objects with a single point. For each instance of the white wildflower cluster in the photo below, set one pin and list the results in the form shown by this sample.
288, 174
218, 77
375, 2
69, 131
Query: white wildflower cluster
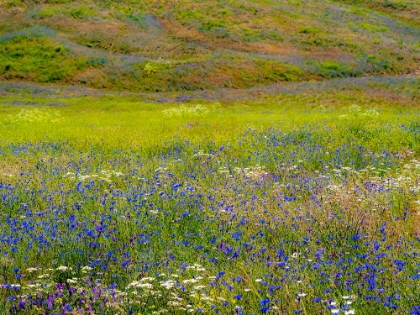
143, 283
64, 268
344, 169
86, 269
370, 183
357, 110
256, 173
43, 279
184, 292
187, 111
347, 301
223, 170
36, 115
196, 267
161, 169
104, 175
292, 169
201, 154
322, 108
40, 281
406, 179
157, 66
168, 284
371, 113
413, 165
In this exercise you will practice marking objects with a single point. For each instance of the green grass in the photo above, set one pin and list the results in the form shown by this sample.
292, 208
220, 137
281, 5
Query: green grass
38, 59
134, 122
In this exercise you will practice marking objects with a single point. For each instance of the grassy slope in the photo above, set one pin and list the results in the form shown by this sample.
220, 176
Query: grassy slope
190, 45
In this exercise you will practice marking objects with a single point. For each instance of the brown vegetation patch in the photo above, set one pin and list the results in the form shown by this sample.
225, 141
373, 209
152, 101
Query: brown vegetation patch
11, 169
92, 77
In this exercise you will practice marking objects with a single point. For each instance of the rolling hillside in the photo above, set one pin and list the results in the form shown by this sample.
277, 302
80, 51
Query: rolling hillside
185, 45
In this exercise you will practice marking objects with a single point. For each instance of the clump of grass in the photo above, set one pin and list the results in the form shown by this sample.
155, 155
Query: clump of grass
334, 69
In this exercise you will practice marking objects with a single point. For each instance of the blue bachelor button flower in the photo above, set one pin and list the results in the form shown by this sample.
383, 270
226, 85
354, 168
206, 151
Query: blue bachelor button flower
316, 266
390, 305
125, 263
175, 186
400, 264
238, 296
415, 277
370, 297
379, 256
264, 302
235, 255
280, 252
265, 309
281, 264
356, 237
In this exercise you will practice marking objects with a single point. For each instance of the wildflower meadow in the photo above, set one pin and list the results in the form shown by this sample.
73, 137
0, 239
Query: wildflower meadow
115, 206
209, 157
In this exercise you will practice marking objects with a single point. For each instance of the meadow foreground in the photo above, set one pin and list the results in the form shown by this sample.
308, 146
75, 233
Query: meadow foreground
115, 206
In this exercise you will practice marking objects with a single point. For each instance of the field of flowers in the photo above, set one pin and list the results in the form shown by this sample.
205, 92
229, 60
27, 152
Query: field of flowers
113, 206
